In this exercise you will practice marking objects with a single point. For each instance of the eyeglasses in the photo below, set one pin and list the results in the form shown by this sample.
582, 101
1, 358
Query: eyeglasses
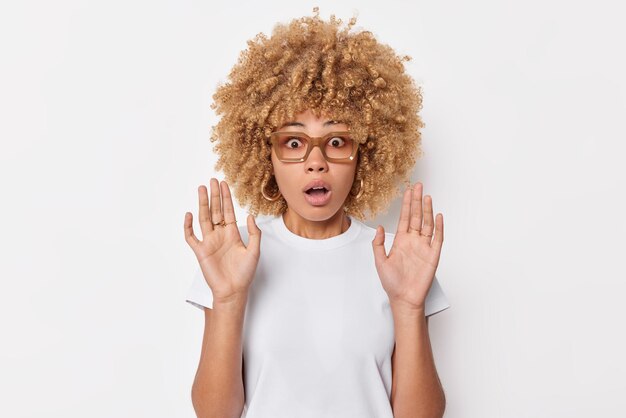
296, 146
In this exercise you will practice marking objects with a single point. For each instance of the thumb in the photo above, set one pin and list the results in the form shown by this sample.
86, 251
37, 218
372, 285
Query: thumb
254, 233
378, 244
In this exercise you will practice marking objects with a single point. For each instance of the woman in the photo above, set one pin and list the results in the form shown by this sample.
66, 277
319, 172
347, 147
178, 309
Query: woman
312, 313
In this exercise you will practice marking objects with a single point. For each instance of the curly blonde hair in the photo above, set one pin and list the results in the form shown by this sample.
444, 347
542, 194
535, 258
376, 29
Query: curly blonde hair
314, 64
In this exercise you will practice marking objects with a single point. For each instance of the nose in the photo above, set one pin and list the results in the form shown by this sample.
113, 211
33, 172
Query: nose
316, 161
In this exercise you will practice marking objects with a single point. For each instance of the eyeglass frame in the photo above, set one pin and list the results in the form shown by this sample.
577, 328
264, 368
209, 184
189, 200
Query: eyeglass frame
315, 141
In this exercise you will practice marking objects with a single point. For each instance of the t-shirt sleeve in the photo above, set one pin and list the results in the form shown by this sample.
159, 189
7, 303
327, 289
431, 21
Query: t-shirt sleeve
436, 300
199, 293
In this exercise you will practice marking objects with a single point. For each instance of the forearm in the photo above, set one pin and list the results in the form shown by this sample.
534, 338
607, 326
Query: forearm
218, 389
416, 389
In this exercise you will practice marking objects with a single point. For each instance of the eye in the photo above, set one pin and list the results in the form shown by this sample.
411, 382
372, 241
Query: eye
293, 140
337, 141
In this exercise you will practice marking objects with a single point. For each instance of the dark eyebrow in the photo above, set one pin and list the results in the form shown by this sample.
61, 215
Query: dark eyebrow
327, 123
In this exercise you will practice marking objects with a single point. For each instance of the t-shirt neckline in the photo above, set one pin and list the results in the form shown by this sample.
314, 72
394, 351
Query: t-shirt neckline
296, 240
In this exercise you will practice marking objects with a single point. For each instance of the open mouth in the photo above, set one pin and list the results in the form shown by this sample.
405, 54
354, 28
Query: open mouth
318, 196
317, 191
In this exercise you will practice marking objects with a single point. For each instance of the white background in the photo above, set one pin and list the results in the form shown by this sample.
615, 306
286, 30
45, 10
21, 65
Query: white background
105, 120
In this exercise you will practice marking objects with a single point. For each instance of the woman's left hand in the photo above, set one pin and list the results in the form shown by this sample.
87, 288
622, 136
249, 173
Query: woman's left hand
408, 271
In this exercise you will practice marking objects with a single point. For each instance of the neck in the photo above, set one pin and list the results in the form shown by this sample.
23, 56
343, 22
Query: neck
306, 228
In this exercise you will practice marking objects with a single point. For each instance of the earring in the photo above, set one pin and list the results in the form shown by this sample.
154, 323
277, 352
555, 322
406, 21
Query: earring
272, 198
360, 190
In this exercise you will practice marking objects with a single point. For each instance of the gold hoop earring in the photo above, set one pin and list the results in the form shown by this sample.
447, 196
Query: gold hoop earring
272, 198
360, 190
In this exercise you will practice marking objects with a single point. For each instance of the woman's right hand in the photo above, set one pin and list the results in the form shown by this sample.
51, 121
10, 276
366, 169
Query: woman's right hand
227, 264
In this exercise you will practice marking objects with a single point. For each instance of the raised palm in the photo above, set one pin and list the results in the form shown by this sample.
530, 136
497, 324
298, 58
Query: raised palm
408, 271
227, 264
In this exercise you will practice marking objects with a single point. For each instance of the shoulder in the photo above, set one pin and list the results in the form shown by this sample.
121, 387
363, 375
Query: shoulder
263, 222
369, 232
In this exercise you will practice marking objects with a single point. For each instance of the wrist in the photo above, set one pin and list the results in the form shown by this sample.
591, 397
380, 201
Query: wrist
403, 309
235, 301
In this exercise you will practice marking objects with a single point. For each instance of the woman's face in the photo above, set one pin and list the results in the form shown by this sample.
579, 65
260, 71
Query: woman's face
293, 178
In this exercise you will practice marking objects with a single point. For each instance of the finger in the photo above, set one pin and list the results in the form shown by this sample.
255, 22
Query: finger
203, 211
378, 245
254, 234
429, 224
188, 230
415, 223
403, 222
229, 211
438, 238
216, 204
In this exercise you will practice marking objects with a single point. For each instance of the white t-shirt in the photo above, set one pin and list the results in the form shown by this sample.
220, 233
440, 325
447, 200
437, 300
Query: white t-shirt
318, 330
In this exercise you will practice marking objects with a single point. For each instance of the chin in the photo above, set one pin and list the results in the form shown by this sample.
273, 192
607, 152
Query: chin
316, 213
